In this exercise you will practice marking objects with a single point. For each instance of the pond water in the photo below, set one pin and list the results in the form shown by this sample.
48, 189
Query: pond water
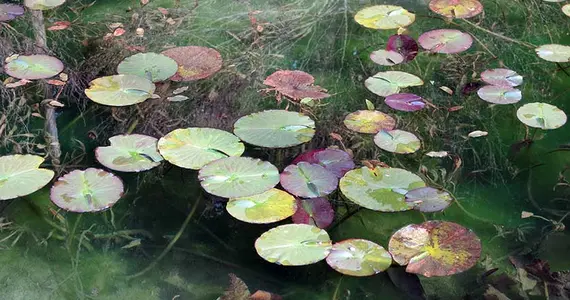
119, 253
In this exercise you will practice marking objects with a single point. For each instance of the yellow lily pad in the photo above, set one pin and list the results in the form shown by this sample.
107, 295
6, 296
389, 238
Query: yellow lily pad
384, 17
554, 53
268, 207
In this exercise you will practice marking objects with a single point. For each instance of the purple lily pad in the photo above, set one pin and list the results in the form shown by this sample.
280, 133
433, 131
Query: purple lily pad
428, 199
10, 11
403, 44
316, 211
502, 77
335, 160
471, 87
308, 180
405, 102
446, 41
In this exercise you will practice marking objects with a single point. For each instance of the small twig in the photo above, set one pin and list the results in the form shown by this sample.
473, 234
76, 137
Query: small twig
526, 44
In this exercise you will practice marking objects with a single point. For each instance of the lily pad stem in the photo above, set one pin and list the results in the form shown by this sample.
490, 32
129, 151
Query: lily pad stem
337, 289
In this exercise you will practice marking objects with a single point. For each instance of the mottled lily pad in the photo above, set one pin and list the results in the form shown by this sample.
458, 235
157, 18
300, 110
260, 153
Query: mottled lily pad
87, 190
43, 4
129, 153
435, 248
502, 77
120, 90
386, 57
32, 67
461, 9
10, 11
294, 245
446, 41
390, 82
405, 102
358, 257
275, 128
397, 141
194, 62
384, 17
369, 121
554, 53
268, 207
296, 85
315, 211
499, 94
428, 199
336, 161
403, 44
234, 177
381, 189
21, 175
541, 115
194, 147
308, 180
152, 66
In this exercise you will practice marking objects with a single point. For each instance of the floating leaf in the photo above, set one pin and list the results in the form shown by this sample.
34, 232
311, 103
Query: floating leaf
386, 57
177, 98
358, 257
397, 141
384, 17
369, 104
336, 161
308, 180
119, 31
502, 77
389, 82
403, 44
315, 211
129, 153
566, 9
10, 11
194, 147
296, 85
152, 66
59, 25
275, 128
446, 41
541, 115
526, 214
21, 175
234, 177
477, 133
87, 190
405, 102
32, 67
428, 199
268, 207
180, 90
554, 53
194, 62
381, 189
120, 90
369, 121
435, 248
446, 89
500, 94
43, 4
461, 9
437, 154
294, 245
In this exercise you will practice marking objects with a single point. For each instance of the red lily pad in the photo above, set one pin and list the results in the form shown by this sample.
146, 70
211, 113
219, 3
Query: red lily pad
10, 11
308, 180
315, 211
295, 85
428, 199
435, 248
405, 102
403, 44
335, 160
502, 77
194, 62
461, 9
499, 94
446, 41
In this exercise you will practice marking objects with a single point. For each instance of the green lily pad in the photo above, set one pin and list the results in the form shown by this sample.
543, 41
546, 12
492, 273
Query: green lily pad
294, 245
308, 180
21, 175
268, 207
358, 257
153, 66
32, 67
554, 53
129, 153
194, 147
381, 189
87, 190
120, 90
384, 17
397, 141
541, 115
43, 4
275, 128
369, 121
428, 199
390, 82
233, 177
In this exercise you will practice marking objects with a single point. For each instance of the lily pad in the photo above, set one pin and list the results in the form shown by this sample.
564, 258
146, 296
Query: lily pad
405, 102
308, 180
502, 77
21, 175
403, 44
152, 66
87, 190
461, 9
381, 189
294, 245
500, 94
129, 153
10, 11
194, 147
268, 207
120, 90
194, 62
296, 85
358, 257
446, 41
369, 121
32, 67
435, 248
275, 128
315, 211
336, 161
397, 141
390, 82
384, 17
554, 53
386, 57
541, 115
566, 9
234, 177
428, 199
43, 4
